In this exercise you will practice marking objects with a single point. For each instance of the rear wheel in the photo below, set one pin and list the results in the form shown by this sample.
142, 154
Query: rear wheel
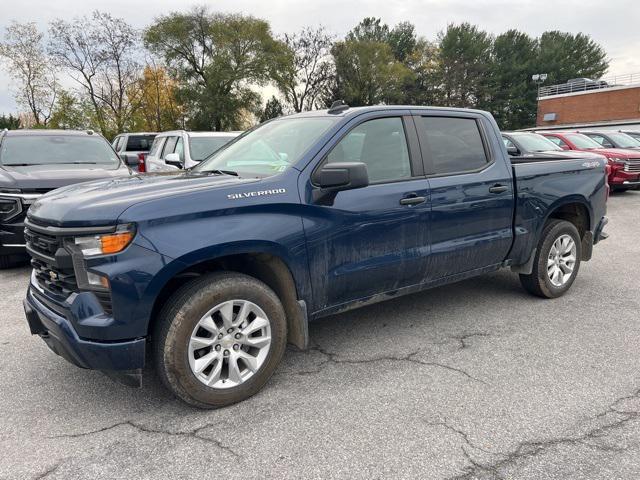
219, 339
557, 260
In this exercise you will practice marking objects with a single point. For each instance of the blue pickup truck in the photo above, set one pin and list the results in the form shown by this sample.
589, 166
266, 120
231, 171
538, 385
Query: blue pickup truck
213, 270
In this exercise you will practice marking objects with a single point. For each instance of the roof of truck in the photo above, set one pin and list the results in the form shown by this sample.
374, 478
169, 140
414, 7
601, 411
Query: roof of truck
349, 111
41, 132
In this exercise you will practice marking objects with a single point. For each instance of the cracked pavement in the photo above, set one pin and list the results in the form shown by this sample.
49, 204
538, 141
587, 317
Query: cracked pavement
475, 380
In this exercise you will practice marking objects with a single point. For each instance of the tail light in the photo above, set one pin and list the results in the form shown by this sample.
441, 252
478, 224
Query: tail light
142, 167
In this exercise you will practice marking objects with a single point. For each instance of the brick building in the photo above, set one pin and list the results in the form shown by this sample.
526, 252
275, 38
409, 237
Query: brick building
602, 104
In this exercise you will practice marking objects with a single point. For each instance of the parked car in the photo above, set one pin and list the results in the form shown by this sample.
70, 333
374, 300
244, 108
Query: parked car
215, 269
612, 139
526, 144
635, 134
181, 149
133, 148
624, 171
33, 162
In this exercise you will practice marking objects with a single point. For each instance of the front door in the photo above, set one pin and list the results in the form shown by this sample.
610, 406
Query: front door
374, 239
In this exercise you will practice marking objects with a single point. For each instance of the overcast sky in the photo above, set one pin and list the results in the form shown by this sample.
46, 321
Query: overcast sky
615, 23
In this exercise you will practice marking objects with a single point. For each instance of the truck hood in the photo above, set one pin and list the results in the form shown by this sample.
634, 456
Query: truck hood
43, 178
617, 152
102, 202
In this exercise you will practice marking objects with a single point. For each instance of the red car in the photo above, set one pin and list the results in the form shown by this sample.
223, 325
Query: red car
624, 164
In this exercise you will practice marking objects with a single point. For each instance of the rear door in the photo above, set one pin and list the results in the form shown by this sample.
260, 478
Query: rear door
472, 192
374, 239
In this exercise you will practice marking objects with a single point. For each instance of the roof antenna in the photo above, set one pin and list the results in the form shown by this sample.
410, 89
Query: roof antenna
338, 107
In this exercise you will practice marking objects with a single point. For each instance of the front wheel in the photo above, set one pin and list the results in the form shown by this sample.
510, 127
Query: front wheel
219, 339
557, 261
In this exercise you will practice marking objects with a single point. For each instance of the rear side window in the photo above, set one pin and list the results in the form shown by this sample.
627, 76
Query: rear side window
453, 144
381, 144
139, 143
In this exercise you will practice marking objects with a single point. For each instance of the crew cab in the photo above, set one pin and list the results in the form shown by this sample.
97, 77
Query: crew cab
216, 268
180, 149
33, 162
133, 148
624, 165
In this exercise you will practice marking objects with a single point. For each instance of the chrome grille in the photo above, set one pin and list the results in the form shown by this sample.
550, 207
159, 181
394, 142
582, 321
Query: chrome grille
632, 165
51, 277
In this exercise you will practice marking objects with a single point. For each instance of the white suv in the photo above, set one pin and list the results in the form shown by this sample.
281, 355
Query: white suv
181, 149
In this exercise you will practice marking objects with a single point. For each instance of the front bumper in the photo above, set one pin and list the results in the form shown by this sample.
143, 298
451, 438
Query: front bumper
121, 360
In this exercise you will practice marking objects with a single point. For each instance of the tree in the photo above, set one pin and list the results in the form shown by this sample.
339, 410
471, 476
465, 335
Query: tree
272, 109
464, 58
71, 113
9, 122
563, 56
217, 58
370, 29
100, 54
403, 40
513, 96
158, 106
29, 66
307, 79
422, 86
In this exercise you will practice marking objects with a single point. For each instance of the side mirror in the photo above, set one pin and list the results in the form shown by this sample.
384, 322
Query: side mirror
513, 151
336, 177
173, 159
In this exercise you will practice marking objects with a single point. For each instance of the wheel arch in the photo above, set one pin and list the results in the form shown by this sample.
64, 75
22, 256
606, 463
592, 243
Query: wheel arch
265, 264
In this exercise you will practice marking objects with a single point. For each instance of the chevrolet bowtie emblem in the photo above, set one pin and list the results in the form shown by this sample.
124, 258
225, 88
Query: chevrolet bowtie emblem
53, 275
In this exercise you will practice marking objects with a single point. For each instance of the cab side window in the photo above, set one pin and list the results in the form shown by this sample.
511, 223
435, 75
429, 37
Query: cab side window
156, 146
180, 149
558, 141
601, 140
169, 147
381, 144
453, 144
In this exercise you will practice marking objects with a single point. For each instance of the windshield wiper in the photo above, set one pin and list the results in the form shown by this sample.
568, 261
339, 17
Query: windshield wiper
224, 172
21, 164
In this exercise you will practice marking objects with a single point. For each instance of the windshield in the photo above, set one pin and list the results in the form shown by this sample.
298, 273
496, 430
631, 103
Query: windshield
202, 147
57, 150
532, 142
271, 148
622, 140
582, 141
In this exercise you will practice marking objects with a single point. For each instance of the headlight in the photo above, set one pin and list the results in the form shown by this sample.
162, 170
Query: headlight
9, 208
616, 159
105, 244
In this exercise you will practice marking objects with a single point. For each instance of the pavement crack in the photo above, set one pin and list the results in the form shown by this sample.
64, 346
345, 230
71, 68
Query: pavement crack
49, 471
463, 340
194, 433
332, 358
530, 449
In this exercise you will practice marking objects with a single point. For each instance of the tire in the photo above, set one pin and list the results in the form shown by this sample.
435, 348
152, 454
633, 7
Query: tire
539, 282
175, 355
620, 189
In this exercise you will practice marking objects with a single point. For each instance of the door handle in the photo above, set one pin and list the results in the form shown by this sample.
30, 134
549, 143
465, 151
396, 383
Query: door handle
412, 200
497, 188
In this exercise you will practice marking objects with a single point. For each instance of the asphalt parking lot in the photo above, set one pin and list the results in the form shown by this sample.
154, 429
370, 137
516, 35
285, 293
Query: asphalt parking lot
476, 380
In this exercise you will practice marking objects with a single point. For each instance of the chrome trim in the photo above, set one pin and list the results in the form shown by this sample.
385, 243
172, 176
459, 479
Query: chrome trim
23, 196
69, 231
13, 245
